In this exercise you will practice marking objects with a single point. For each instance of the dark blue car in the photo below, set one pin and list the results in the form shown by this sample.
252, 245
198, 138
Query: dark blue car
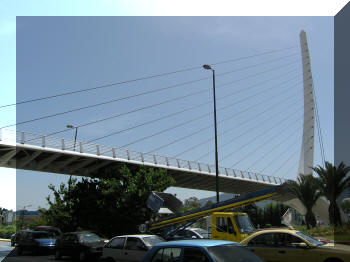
200, 251
35, 242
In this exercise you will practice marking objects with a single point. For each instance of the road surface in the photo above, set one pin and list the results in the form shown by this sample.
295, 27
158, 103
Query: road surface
5, 249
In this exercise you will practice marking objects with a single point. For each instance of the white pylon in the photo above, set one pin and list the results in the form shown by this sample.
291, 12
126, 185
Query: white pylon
306, 161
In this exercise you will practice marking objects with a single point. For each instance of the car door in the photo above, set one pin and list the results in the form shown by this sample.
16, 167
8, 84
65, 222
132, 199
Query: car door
115, 249
134, 249
289, 249
69, 245
263, 246
224, 229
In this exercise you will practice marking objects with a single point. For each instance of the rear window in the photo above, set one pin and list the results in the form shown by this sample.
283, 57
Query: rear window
38, 235
152, 240
89, 238
232, 253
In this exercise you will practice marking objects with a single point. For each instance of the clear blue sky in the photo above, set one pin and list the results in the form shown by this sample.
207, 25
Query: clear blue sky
59, 54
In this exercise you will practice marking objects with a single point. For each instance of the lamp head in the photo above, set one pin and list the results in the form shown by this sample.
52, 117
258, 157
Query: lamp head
208, 67
70, 126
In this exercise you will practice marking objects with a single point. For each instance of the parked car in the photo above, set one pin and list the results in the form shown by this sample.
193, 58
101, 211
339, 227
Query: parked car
13, 239
129, 247
34, 241
200, 250
191, 233
54, 231
79, 245
286, 245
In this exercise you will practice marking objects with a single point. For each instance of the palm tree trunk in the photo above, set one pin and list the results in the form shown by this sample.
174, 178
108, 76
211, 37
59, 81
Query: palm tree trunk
334, 213
310, 219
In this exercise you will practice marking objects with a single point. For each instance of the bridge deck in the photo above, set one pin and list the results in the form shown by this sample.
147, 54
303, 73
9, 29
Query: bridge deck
23, 150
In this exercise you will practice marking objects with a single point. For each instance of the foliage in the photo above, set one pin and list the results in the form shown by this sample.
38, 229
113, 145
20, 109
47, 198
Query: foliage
112, 205
333, 182
190, 204
346, 206
307, 190
7, 231
330, 232
269, 216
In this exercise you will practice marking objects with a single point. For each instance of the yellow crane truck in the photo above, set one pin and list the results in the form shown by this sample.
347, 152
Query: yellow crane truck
232, 226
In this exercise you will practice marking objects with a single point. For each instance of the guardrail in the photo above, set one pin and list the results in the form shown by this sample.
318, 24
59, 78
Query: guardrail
46, 141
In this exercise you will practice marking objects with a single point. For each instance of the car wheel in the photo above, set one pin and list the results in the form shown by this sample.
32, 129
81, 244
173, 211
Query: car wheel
333, 260
19, 251
58, 254
82, 256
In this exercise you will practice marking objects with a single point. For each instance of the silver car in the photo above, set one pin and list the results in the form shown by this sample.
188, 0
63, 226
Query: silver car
130, 248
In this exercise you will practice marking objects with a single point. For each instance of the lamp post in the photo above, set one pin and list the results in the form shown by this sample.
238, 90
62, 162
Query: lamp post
76, 133
75, 140
208, 67
22, 215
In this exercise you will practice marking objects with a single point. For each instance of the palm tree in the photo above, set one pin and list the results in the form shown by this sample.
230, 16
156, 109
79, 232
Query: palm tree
307, 190
333, 182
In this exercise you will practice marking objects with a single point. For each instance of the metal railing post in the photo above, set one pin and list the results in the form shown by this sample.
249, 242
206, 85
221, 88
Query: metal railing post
97, 150
80, 147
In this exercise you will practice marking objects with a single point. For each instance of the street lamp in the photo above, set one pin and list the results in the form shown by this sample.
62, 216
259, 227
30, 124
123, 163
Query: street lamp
75, 136
208, 67
22, 215
75, 140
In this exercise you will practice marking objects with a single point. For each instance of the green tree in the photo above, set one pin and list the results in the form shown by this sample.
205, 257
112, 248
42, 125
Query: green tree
190, 204
345, 205
333, 182
112, 205
307, 190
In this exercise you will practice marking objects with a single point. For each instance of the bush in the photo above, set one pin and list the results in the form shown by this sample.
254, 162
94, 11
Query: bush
325, 231
7, 231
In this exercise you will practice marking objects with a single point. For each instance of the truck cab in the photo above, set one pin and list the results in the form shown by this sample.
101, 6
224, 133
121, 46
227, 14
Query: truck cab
232, 226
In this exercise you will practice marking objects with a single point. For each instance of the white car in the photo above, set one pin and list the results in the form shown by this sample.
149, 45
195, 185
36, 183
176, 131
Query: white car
191, 233
130, 248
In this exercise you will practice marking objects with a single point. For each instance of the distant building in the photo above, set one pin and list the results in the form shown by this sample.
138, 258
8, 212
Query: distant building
7, 217
28, 216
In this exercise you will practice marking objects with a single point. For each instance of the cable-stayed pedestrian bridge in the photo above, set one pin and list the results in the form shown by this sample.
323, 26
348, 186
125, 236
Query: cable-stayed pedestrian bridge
29, 151
247, 114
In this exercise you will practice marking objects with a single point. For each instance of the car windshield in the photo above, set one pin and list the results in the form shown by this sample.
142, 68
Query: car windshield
89, 238
152, 240
244, 225
202, 232
38, 235
310, 239
233, 253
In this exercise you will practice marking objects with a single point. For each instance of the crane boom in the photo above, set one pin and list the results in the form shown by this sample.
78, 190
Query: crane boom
221, 206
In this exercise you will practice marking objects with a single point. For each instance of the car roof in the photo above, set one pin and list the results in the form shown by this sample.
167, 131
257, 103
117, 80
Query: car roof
137, 235
281, 229
32, 231
196, 243
79, 232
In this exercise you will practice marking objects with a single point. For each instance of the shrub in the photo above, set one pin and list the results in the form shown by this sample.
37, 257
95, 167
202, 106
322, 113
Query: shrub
7, 231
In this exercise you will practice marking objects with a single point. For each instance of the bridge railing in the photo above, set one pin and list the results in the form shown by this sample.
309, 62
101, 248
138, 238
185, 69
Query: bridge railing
52, 142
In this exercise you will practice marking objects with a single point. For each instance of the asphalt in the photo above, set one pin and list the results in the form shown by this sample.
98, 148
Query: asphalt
5, 249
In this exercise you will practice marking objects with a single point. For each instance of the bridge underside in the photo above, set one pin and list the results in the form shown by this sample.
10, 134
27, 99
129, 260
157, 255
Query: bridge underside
79, 164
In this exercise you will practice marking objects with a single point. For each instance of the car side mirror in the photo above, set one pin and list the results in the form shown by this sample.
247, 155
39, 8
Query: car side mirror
143, 247
302, 245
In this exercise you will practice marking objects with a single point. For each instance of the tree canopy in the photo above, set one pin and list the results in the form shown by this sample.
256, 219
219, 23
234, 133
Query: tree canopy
112, 205
334, 180
307, 190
